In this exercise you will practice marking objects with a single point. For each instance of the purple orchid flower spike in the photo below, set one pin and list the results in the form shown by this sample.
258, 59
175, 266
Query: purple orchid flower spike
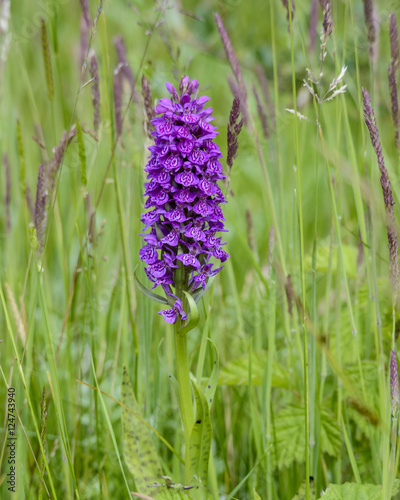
183, 197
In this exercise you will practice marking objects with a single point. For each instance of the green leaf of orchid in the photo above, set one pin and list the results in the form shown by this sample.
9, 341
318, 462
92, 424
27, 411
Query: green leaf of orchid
213, 380
200, 439
193, 320
148, 293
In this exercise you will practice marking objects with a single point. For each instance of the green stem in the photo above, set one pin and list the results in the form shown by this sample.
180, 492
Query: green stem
185, 392
392, 460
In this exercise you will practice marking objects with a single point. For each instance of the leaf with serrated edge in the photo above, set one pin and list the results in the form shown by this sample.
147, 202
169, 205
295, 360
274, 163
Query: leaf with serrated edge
236, 372
353, 491
289, 435
139, 450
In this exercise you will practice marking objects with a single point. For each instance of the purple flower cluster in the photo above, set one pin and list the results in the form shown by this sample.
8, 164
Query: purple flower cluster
182, 190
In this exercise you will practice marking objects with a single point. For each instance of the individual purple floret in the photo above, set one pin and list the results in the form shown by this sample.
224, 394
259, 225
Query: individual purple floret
171, 315
183, 197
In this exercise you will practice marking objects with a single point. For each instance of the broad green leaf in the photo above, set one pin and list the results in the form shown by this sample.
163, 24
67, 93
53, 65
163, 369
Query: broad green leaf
194, 315
289, 431
331, 440
322, 259
342, 344
364, 412
139, 450
301, 494
236, 372
200, 439
148, 293
354, 491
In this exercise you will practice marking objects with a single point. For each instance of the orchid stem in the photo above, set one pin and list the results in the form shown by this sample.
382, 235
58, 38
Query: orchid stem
185, 392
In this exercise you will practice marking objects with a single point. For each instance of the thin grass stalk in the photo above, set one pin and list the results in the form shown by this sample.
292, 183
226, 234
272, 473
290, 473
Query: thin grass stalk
47, 60
233, 61
367, 228
131, 295
256, 433
82, 156
7, 197
268, 389
57, 393
282, 199
339, 328
43, 408
338, 233
303, 284
314, 442
394, 274
28, 398
351, 453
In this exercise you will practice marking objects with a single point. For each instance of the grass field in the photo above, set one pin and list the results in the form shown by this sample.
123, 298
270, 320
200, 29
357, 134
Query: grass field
297, 329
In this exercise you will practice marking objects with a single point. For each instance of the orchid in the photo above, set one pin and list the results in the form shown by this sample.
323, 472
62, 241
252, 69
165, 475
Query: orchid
183, 196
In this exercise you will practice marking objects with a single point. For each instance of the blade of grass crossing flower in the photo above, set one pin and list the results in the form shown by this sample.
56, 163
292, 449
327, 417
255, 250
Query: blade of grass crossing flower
200, 439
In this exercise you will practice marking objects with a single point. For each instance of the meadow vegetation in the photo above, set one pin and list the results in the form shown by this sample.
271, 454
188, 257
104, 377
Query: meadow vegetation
297, 338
